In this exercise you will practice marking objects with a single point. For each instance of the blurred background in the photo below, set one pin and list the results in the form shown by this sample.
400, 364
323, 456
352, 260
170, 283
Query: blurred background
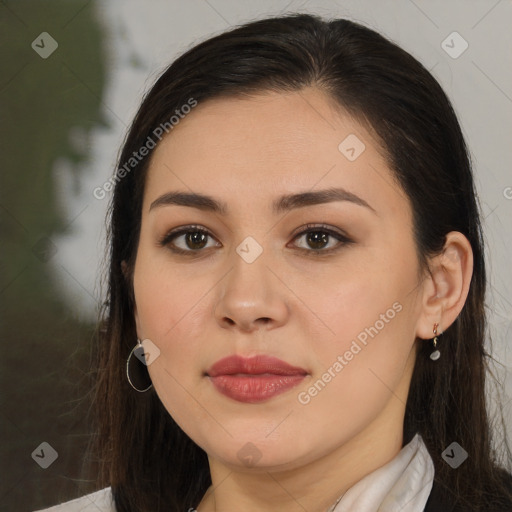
73, 74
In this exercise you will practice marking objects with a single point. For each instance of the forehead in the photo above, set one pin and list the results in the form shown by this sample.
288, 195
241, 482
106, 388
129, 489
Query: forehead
269, 143
270, 126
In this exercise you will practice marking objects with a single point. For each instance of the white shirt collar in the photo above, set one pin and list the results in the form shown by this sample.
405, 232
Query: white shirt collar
404, 483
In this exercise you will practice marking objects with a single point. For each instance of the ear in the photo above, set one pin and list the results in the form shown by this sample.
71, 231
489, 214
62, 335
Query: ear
126, 273
446, 287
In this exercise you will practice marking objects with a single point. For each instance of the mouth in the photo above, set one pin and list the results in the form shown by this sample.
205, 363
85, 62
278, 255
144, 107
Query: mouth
255, 379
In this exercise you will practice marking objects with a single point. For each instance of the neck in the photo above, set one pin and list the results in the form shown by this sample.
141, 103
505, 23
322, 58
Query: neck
315, 486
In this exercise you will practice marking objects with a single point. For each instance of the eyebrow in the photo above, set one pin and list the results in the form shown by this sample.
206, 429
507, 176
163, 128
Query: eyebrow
282, 204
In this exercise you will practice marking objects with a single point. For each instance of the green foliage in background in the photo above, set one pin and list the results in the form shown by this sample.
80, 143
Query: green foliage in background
45, 348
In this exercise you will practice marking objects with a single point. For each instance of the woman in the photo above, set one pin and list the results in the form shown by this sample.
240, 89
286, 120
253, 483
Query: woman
296, 293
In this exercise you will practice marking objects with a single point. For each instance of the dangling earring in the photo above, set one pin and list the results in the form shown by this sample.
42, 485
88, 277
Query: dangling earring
142, 381
435, 354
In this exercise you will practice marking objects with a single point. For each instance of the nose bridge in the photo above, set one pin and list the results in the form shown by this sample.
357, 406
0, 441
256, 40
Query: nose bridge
250, 293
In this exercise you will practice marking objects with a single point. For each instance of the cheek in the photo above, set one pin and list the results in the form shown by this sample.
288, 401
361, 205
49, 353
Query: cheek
360, 303
169, 308
369, 318
170, 312
370, 331
362, 371
164, 292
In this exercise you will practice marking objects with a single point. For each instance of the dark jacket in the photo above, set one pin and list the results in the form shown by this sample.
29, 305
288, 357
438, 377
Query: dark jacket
441, 501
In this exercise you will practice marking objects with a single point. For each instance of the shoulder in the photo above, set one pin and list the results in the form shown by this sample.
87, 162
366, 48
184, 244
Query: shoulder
99, 501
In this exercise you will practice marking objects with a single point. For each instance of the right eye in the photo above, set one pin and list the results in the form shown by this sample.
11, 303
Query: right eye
193, 240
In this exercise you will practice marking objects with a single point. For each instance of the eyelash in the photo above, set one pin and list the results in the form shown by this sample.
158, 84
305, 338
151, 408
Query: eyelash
309, 228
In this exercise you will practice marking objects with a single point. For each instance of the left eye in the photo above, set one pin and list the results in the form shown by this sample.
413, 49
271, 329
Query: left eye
317, 239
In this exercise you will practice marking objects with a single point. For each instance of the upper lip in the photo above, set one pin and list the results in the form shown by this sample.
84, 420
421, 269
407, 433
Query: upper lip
255, 365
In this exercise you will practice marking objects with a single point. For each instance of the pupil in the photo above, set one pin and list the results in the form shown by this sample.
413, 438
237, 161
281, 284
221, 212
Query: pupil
318, 239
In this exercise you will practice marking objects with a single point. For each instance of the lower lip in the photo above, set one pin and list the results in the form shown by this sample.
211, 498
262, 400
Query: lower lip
254, 388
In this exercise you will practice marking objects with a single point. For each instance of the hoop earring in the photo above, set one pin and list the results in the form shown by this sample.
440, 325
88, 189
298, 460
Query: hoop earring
142, 381
435, 354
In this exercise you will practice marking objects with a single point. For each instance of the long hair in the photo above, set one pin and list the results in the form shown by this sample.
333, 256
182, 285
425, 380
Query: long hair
149, 462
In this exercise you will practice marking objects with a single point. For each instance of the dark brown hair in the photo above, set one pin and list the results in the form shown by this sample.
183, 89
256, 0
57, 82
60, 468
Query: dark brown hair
151, 464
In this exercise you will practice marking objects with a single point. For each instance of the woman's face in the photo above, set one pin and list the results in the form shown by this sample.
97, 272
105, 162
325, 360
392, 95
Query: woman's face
340, 304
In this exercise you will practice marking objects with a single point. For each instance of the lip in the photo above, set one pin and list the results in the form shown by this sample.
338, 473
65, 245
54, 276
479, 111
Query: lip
254, 379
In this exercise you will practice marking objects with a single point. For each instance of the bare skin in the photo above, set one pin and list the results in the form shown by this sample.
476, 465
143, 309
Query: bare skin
293, 301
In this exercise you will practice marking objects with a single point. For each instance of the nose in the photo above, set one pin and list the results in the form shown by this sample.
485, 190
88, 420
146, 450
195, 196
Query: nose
251, 297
